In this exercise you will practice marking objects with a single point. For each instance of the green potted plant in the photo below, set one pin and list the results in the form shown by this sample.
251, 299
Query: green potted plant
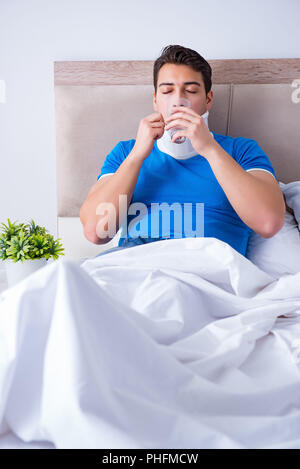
25, 248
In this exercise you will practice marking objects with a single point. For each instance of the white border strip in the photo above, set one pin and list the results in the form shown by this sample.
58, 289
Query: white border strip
261, 169
2, 92
107, 174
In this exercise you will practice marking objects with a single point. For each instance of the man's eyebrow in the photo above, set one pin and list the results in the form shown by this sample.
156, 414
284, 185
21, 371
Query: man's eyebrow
185, 83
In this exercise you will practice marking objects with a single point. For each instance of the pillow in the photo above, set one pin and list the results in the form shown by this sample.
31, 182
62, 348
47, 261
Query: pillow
280, 255
291, 193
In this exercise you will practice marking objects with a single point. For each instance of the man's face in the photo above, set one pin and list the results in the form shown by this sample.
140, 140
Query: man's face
178, 75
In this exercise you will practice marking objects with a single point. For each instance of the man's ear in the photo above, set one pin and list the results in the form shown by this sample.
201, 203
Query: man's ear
154, 102
209, 100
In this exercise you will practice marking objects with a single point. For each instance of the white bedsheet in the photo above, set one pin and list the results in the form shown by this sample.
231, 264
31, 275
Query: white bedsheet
171, 344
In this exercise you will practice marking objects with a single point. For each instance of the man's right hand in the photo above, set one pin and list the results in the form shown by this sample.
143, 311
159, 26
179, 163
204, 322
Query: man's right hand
150, 129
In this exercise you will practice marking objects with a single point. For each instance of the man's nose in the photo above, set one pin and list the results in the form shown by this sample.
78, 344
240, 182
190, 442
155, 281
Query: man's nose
176, 105
177, 97
177, 101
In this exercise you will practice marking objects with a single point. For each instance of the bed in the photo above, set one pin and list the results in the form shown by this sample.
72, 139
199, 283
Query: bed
248, 95
204, 351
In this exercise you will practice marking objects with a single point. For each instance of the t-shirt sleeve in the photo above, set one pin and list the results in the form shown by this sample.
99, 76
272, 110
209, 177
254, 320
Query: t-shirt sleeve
113, 160
250, 156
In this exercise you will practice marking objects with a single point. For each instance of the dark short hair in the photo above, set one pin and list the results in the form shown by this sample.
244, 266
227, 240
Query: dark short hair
175, 54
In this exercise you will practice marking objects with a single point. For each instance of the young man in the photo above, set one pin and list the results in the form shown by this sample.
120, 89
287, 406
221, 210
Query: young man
231, 178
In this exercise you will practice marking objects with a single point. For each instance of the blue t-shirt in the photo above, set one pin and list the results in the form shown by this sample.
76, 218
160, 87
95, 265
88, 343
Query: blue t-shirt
183, 198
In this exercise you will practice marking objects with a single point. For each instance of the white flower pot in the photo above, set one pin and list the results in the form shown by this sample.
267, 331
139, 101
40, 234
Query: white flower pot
17, 271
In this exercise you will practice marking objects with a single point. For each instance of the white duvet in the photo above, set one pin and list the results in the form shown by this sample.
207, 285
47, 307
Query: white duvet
180, 343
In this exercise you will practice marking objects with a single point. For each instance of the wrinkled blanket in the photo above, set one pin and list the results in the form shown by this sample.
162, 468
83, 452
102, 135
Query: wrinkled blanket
181, 343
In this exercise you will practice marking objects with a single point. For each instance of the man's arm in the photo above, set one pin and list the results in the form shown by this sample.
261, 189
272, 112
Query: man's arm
122, 182
255, 195
106, 190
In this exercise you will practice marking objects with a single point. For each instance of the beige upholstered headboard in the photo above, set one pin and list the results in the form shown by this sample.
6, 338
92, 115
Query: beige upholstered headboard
97, 104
